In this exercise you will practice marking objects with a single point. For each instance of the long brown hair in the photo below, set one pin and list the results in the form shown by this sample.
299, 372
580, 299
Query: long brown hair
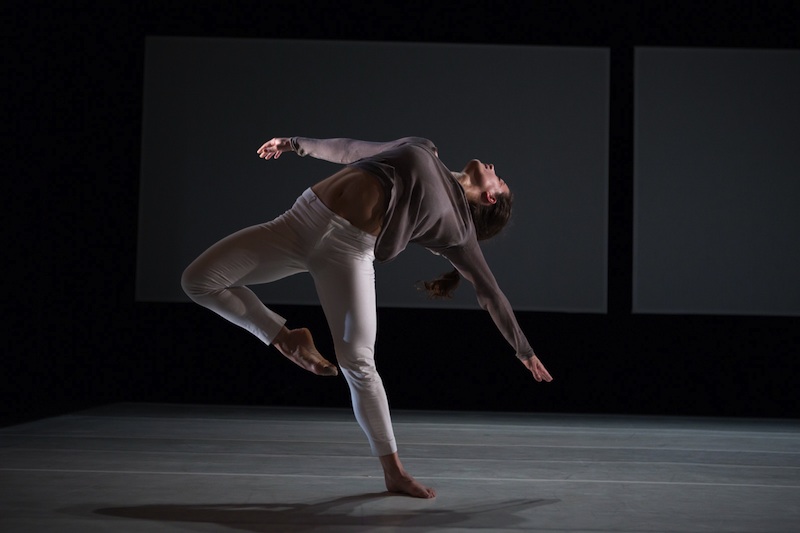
489, 220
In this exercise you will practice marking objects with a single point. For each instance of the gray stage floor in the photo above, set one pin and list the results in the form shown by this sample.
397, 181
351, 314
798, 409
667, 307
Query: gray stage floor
145, 468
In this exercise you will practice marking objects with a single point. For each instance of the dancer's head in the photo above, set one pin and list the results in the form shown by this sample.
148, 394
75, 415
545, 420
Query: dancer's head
490, 202
481, 184
489, 197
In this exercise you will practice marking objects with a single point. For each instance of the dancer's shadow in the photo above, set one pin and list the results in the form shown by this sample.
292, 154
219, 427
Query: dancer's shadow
350, 512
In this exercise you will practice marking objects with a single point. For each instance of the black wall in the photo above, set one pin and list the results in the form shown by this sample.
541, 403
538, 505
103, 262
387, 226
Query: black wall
75, 337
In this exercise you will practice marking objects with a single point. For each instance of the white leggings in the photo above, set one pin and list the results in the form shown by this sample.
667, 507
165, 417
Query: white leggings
307, 238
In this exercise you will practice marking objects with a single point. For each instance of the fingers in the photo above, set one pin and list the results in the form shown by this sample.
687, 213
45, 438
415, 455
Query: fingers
544, 374
273, 148
268, 150
538, 370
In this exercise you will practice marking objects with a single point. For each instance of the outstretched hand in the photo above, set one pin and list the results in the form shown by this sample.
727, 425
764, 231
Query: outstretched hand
538, 370
273, 148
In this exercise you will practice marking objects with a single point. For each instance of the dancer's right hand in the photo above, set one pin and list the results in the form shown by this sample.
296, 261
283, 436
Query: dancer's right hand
273, 148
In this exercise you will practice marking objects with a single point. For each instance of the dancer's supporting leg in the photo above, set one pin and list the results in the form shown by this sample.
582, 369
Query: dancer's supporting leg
345, 279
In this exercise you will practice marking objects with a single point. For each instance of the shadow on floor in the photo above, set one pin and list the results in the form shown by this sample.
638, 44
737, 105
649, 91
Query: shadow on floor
365, 510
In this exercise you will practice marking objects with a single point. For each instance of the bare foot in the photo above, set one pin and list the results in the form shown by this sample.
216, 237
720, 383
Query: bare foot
410, 486
399, 481
297, 345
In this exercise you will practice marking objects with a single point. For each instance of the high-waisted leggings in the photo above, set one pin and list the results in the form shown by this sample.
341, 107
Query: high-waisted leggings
307, 238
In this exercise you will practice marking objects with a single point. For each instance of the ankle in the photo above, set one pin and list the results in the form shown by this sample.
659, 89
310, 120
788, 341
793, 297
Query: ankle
281, 340
392, 467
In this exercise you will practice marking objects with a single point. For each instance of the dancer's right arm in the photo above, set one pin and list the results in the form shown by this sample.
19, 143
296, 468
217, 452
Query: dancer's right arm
334, 150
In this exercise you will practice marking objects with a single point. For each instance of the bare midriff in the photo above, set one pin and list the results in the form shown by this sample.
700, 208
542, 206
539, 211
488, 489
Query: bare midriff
355, 195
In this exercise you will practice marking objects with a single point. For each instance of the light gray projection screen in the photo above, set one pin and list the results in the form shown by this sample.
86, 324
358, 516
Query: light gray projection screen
539, 114
717, 182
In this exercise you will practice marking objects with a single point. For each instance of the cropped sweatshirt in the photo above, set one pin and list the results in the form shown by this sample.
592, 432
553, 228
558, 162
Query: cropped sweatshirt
426, 206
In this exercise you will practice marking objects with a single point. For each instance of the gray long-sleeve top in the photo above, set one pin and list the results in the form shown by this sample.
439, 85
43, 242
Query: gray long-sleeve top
426, 206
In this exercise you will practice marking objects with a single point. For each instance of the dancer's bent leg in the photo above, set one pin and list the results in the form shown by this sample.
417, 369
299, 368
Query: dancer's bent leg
259, 254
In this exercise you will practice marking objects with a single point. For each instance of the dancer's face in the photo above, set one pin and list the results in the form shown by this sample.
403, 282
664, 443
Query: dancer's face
484, 177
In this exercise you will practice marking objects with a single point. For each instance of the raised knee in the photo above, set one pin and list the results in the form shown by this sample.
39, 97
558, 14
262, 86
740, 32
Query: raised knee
194, 282
188, 284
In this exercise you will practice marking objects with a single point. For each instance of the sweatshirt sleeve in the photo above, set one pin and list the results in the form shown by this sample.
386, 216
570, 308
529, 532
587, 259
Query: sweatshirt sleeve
348, 150
471, 264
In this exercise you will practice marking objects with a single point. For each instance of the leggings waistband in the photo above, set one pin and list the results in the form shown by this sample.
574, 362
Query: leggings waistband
312, 202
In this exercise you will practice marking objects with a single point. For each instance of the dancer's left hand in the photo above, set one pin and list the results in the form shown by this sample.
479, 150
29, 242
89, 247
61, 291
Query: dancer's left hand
273, 148
538, 370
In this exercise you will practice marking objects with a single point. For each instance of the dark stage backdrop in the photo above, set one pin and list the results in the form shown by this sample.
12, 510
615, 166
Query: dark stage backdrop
540, 114
75, 334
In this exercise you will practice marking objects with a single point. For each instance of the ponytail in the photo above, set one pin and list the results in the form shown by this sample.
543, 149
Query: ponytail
489, 220
443, 286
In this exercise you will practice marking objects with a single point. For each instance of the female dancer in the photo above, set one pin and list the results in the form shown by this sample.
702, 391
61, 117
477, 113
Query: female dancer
388, 195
